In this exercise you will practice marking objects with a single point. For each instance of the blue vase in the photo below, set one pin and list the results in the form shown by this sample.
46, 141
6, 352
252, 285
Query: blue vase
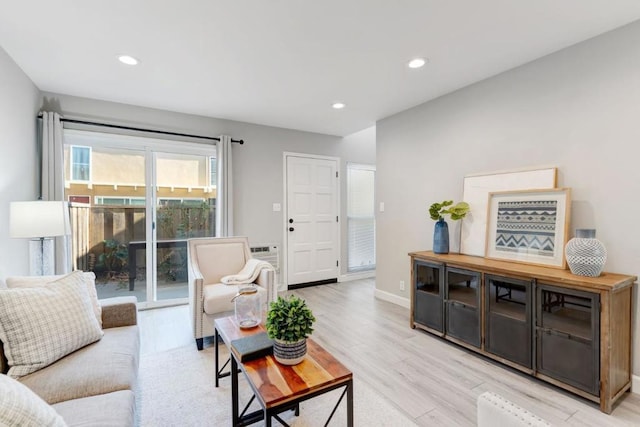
441, 237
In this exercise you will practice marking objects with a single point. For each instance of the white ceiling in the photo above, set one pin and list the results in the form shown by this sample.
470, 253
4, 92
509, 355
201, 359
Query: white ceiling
284, 62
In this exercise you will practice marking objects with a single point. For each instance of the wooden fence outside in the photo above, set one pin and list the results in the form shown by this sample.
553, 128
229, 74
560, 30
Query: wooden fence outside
92, 226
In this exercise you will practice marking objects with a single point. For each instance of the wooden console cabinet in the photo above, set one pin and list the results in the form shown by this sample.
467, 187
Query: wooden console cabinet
571, 331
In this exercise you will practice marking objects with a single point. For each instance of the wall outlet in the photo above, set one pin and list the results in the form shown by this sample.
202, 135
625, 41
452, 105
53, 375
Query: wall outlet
402, 285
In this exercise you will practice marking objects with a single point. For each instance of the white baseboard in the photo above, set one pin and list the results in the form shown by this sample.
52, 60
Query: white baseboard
392, 298
357, 276
635, 384
342, 278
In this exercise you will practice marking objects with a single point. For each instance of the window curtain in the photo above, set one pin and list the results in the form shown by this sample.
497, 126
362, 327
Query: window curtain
224, 202
52, 175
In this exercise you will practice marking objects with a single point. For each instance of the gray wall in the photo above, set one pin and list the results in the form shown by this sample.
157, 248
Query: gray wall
19, 104
577, 109
258, 164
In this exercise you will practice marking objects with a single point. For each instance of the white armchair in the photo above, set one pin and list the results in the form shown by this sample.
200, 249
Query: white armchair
209, 260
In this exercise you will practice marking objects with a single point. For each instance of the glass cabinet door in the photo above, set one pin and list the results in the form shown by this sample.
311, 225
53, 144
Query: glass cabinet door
508, 319
568, 324
428, 309
462, 305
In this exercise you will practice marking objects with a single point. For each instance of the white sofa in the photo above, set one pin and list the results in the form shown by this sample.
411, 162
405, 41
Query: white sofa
95, 385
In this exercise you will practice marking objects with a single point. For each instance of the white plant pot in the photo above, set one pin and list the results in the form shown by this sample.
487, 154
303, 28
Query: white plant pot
289, 352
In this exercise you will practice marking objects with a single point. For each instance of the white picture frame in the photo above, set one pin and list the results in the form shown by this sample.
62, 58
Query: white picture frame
530, 226
476, 191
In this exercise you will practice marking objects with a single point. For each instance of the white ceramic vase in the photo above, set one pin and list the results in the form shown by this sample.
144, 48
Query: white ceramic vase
585, 254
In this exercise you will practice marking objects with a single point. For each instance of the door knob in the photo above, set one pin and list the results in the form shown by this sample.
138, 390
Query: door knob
290, 220
290, 228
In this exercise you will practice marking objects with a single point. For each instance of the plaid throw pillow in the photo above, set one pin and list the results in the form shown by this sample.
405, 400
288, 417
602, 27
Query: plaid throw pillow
20, 406
89, 279
40, 325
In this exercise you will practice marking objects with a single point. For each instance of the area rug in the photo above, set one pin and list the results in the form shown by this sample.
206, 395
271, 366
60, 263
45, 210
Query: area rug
176, 388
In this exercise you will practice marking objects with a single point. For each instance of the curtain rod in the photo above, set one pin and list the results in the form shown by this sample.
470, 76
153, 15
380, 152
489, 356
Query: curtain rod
84, 122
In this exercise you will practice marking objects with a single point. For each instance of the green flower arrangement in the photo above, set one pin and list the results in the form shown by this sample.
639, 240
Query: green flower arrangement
458, 211
289, 319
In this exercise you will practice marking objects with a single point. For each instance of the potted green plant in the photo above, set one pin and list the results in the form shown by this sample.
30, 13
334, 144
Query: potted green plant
437, 211
289, 323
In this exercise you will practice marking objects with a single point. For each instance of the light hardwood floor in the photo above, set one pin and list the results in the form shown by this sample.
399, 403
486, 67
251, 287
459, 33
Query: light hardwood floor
434, 382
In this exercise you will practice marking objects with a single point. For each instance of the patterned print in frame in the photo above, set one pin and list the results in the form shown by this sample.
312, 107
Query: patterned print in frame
529, 226
476, 189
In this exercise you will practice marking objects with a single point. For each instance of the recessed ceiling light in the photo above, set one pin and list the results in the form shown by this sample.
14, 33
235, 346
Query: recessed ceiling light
129, 60
338, 105
417, 63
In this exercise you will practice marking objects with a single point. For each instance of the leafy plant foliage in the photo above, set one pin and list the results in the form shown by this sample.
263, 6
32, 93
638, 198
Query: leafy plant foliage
289, 319
115, 256
459, 211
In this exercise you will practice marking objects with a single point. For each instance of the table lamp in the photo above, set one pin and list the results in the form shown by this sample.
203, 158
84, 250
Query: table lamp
39, 221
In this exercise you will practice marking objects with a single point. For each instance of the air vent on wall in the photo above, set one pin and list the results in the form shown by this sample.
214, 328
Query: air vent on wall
269, 253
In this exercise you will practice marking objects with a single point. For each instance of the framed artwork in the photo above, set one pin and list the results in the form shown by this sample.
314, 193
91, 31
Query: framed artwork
476, 193
529, 226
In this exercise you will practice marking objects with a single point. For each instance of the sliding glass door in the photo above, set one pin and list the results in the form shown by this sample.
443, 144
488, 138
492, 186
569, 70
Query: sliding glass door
135, 202
185, 207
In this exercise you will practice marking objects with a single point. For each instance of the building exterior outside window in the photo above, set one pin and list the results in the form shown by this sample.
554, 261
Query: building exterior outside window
80, 163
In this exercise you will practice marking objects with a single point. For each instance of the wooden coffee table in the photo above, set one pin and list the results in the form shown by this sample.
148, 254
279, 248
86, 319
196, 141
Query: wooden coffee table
278, 387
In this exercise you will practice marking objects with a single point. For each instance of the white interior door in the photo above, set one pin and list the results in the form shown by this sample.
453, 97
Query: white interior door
312, 219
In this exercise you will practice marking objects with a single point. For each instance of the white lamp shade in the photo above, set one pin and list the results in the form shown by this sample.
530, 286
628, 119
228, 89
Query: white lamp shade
39, 218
